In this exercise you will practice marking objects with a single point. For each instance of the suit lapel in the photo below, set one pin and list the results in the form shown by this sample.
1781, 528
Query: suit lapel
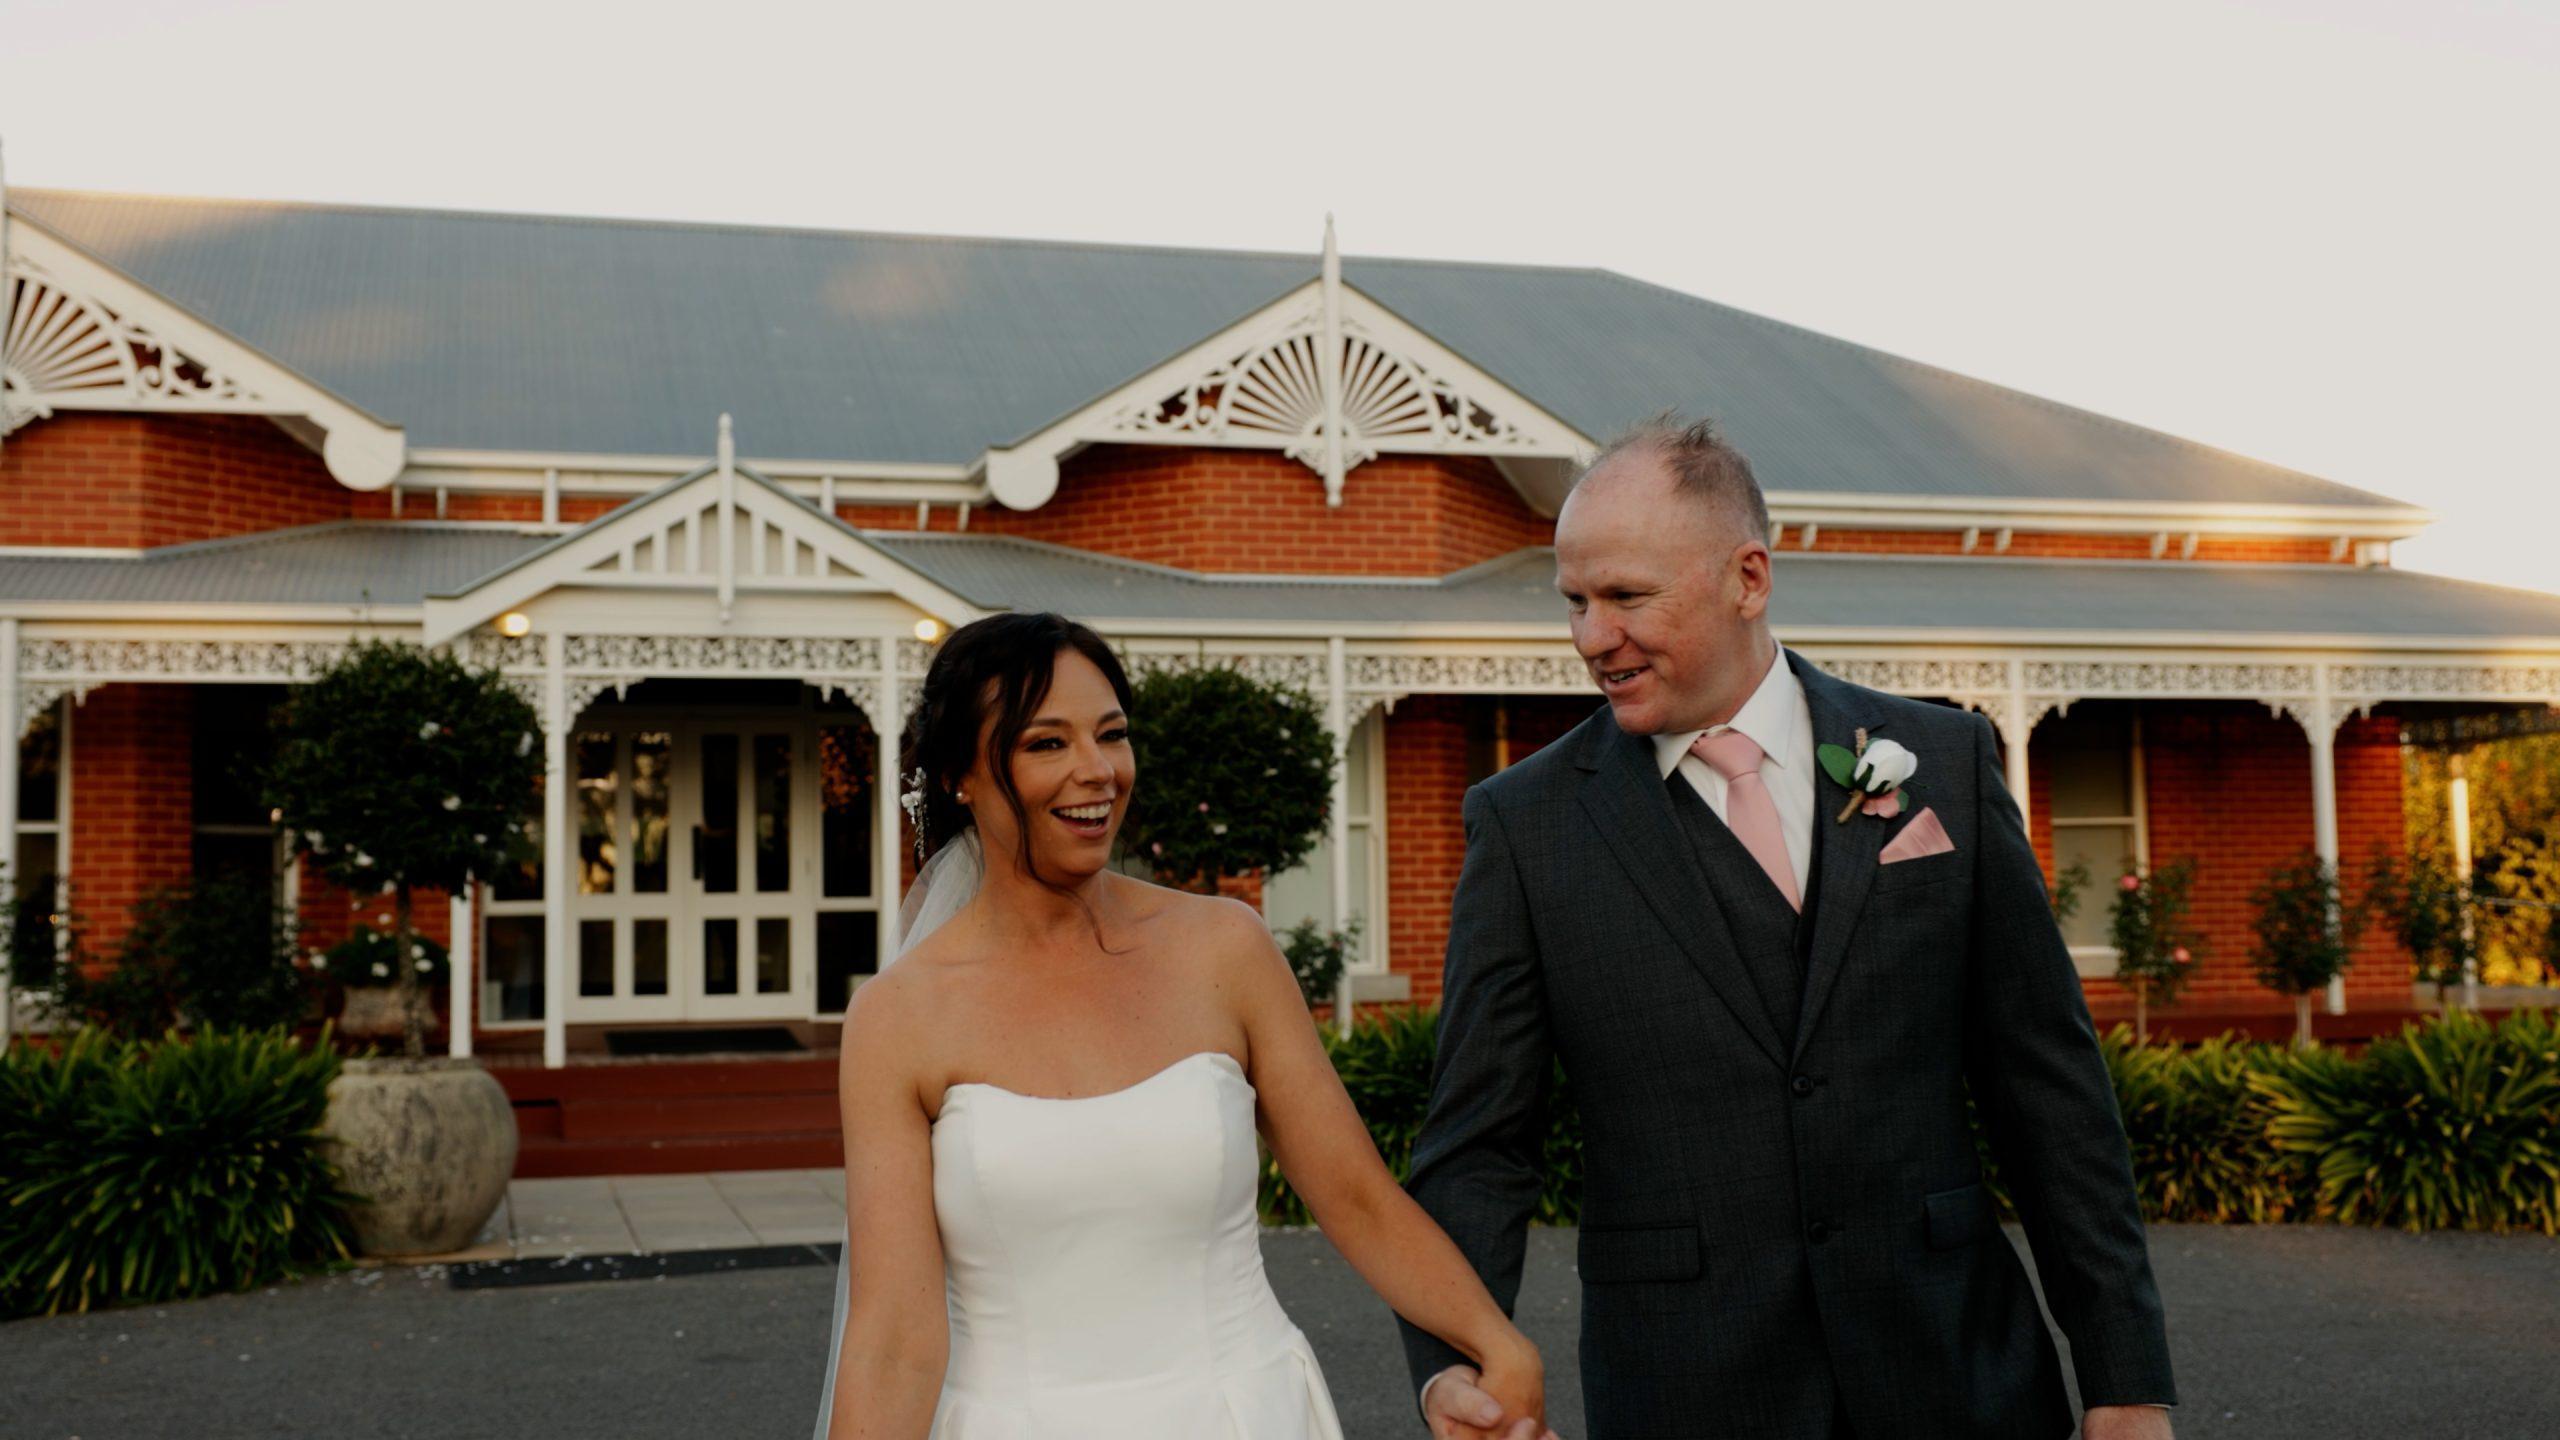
1627, 802
1847, 852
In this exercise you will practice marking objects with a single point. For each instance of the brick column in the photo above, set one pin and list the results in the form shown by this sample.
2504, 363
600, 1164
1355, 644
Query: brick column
132, 804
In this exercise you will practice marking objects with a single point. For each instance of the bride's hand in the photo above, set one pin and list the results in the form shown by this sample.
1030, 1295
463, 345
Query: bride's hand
1516, 1377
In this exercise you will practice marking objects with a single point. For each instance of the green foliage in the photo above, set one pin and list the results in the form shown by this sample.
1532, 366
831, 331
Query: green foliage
2515, 847
2070, 886
369, 958
398, 768
2157, 949
2300, 944
2420, 901
1317, 956
1385, 1066
216, 953
1234, 776
2196, 1125
2453, 1125
146, 1171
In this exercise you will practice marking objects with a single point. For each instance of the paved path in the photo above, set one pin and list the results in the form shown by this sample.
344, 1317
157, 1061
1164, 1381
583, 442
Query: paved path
2280, 1333
662, 1214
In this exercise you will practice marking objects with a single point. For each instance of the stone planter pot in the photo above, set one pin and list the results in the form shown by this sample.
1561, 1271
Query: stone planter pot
373, 1012
431, 1143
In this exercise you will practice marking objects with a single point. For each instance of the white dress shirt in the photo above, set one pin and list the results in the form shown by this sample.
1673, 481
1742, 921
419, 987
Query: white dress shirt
1779, 721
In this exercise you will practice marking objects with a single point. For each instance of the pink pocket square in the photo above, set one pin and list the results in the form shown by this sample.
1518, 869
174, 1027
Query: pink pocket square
1923, 836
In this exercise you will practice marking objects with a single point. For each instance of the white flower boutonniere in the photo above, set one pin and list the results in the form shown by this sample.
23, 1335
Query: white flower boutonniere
1876, 775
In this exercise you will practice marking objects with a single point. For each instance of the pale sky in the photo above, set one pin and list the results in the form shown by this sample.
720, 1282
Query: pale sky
2322, 232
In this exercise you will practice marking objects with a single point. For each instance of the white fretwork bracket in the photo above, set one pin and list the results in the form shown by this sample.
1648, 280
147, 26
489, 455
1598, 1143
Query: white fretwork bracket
1324, 375
81, 335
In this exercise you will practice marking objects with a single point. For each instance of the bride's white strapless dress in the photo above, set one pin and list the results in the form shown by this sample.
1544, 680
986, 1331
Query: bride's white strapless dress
1104, 1268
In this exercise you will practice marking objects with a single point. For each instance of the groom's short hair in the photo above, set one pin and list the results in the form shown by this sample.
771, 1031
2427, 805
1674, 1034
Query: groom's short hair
1704, 466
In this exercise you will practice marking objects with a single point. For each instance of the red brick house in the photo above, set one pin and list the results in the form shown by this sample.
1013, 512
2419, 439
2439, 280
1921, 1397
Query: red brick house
239, 435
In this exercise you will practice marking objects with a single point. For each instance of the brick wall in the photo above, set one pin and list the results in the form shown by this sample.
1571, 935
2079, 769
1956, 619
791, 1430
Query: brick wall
523, 509
132, 481
1252, 512
2231, 785
132, 804
2225, 783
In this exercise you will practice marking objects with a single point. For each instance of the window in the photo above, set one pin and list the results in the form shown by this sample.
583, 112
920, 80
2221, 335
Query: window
2093, 763
1306, 893
44, 809
232, 739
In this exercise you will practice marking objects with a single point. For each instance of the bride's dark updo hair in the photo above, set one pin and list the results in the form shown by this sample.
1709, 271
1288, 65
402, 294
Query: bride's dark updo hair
1000, 666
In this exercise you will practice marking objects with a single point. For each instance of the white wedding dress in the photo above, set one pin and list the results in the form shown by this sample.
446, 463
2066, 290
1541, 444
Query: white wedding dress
1104, 1267
1102, 1258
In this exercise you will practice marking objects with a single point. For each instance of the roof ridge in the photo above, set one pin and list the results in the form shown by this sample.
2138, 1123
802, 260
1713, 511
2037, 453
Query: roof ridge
778, 228
2063, 407
1105, 560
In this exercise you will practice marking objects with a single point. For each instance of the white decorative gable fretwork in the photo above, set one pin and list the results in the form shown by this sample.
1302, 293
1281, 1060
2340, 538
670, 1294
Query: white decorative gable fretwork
81, 336
1324, 375
721, 531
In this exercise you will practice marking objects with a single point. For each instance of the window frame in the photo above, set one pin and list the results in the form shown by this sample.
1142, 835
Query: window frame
2099, 961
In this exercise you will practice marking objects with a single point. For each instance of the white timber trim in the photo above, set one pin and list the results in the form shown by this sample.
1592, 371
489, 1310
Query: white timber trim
721, 531
1269, 382
1889, 511
81, 335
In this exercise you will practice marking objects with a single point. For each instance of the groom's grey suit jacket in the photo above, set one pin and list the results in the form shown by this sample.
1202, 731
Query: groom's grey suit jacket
1784, 1228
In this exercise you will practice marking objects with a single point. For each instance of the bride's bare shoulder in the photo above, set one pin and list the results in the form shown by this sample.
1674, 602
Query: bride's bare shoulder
1213, 925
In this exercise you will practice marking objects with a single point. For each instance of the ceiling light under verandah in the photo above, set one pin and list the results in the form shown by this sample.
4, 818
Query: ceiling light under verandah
515, 624
928, 629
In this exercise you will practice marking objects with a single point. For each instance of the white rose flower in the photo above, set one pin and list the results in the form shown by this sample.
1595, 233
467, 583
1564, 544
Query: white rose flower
380, 969
425, 967
427, 731
1884, 766
453, 802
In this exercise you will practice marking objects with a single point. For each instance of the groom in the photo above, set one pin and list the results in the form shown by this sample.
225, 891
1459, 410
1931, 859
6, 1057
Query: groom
1774, 1002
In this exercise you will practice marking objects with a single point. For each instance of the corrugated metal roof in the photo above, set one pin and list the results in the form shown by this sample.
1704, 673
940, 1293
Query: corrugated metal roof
509, 332
348, 563
2130, 598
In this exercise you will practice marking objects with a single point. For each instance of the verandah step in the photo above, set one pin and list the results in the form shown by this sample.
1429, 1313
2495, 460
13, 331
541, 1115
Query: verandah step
695, 1116
811, 1075
797, 1150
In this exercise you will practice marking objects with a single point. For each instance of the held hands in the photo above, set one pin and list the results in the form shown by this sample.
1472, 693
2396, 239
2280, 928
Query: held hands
1507, 1401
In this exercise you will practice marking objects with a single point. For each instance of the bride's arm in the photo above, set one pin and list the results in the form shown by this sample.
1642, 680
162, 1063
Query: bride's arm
1323, 1147
897, 1334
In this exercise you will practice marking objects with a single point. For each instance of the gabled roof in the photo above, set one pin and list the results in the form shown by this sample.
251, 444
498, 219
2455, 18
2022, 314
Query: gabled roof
528, 333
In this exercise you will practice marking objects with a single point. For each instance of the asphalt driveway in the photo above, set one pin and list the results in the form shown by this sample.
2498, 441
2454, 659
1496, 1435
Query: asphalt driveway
2309, 1332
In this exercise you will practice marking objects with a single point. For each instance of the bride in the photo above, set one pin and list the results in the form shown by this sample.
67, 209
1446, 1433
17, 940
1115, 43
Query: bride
1050, 1103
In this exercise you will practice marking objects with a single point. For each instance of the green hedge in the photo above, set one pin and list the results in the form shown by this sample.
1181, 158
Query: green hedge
156, 1170
2451, 1124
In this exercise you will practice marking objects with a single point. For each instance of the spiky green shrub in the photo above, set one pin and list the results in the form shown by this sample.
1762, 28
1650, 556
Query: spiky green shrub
157, 1170
2197, 1130
2450, 1125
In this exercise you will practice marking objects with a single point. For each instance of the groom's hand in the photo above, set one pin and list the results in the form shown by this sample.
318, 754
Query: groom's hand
1457, 1409
2125, 1422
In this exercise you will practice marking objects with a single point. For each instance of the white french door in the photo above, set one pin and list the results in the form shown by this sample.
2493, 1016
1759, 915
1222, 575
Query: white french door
697, 868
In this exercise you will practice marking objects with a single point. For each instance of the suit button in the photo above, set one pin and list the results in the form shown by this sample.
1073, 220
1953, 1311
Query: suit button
1817, 1232
1802, 1085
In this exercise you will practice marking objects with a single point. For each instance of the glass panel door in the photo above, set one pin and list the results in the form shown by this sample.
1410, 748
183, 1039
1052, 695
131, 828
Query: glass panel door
757, 871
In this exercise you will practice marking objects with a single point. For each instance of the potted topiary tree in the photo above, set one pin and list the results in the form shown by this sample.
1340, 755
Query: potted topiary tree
399, 770
1236, 776
2302, 940
2156, 948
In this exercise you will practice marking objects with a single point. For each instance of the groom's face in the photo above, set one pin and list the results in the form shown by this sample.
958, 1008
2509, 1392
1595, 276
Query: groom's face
1666, 598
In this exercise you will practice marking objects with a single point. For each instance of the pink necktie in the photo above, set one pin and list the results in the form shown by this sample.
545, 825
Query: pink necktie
1748, 811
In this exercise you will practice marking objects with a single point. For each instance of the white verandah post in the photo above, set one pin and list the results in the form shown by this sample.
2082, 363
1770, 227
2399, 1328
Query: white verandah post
2458, 793
557, 855
885, 729
1337, 719
461, 925
2322, 726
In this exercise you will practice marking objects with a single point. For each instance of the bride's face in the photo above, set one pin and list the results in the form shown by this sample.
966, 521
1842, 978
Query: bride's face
1073, 769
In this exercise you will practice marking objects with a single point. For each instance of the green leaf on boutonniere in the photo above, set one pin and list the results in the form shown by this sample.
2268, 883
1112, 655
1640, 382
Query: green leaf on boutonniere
1839, 762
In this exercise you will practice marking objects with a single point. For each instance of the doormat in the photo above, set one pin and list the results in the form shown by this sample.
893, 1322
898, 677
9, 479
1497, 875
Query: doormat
751, 1040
